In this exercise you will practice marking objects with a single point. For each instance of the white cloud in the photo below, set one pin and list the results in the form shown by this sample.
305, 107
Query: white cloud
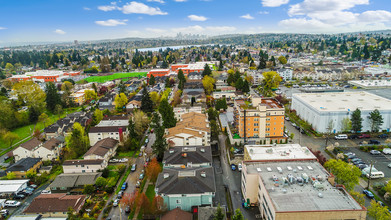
263, 12
113, 6
317, 6
247, 16
303, 24
160, 1
375, 16
87, 8
197, 18
59, 31
219, 29
204, 30
155, 30
274, 3
180, 0
141, 8
111, 22
3, 28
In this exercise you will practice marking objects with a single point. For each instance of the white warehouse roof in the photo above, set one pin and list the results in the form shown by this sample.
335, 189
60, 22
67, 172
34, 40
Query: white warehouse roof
343, 101
10, 186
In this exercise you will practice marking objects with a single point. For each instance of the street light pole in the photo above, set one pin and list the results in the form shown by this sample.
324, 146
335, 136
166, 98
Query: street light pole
370, 172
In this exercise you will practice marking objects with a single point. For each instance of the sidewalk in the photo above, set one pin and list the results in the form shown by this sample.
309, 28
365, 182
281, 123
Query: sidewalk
139, 207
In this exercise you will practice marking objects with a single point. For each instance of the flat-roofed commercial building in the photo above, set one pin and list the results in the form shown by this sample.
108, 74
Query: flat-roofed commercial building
318, 109
296, 189
277, 152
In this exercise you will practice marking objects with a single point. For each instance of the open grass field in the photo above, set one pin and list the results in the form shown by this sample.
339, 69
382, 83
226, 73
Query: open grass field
102, 79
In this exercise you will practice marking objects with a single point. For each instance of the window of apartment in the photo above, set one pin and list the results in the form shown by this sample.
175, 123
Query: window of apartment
83, 171
116, 133
255, 124
267, 134
267, 124
178, 201
255, 129
98, 133
256, 119
111, 133
82, 165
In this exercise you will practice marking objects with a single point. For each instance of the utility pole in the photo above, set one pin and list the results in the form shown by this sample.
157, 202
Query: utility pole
370, 172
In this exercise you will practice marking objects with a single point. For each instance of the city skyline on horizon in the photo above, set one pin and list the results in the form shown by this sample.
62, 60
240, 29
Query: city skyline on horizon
64, 21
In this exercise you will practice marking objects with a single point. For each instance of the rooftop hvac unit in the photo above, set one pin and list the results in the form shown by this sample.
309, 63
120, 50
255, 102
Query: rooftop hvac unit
203, 174
320, 195
166, 175
171, 151
202, 150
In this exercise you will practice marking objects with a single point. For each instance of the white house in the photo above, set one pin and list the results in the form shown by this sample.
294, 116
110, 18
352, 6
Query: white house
286, 74
83, 166
35, 148
110, 127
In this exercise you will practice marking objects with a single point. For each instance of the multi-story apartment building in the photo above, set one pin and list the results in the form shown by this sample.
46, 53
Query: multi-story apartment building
261, 120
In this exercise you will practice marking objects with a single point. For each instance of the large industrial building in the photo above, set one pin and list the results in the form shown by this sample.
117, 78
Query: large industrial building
318, 109
287, 182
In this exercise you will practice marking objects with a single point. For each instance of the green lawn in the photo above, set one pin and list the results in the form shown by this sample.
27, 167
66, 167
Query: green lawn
124, 154
150, 193
27, 130
127, 172
102, 79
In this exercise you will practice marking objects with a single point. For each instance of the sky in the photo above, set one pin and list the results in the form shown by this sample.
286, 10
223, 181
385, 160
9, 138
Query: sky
83, 20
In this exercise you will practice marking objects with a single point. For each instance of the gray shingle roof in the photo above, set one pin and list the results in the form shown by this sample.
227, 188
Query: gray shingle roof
194, 155
23, 165
75, 180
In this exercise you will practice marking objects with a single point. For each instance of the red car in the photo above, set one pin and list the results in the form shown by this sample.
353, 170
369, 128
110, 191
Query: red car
364, 136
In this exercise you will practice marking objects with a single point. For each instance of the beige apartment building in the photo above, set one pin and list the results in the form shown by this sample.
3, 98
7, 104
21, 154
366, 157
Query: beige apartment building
287, 182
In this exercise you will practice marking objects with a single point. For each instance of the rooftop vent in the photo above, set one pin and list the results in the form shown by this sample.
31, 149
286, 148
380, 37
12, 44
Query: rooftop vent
310, 168
259, 169
269, 169
202, 150
284, 191
171, 151
299, 168
203, 174
279, 169
320, 195
289, 168
166, 175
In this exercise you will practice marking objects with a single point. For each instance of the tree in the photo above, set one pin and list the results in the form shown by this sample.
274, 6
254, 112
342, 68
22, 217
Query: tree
9, 68
155, 97
90, 95
141, 122
43, 118
262, 62
100, 182
219, 214
239, 84
153, 169
146, 102
346, 124
207, 71
214, 130
356, 120
58, 110
97, 117
359, 197
346, 174
375, 120
177, 98
271, 80
182, 79
30, 94
77, 142
128, 199
208, 83
158, 205
378, 212
11, 176
52, 97
10, 137
330, 127
160, 145
88, 189
66, 86
238, 215
282, 60
152, 80
221, 104
120, 101
246, 87
167, 113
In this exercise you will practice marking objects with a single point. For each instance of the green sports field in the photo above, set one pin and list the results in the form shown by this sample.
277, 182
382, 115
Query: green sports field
102, 79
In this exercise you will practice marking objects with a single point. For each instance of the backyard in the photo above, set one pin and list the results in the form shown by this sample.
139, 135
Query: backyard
102, 79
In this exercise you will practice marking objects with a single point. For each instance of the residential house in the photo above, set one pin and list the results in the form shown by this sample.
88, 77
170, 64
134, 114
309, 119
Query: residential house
224, 95
133, 104
107, 102
55, 205
67, 182
109, 127
180, 110
23, 166
197, 96
64, 126
34, 148
102, 150
177, 214
188, 156
84, 166
285, 73
185, 188
192, 129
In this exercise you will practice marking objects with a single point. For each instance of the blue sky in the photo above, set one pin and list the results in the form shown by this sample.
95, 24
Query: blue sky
66, 20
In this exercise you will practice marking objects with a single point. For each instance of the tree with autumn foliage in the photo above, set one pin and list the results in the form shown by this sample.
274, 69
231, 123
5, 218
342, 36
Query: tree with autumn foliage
158, 206
153, 169
128, 199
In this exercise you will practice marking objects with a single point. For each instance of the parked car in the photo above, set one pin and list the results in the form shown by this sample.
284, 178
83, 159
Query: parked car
12, 203
120, 194
374, 142
341, 137
358, 162
116, 202
383, 136
362, 166
124, 186
46, 192
387, 151
146, 141
287, 118
350, 153
364, 136
4, 213
355, 159
233, 167
374, 152
138, 184
353, 136
389, 165
368, 194
127, 209
134, 167
240, 167
350, 157
141, 176
140, 154
19, 196
33, 186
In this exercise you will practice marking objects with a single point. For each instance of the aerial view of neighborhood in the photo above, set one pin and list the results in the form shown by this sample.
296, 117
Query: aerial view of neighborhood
195, 110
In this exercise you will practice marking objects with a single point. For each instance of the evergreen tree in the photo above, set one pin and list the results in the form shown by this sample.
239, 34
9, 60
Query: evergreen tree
52, 97
160, 145
221, 104
239, 84
146, 102
246, 87
207, 71
356, 121
221, 65
152, 80
376, 120
167, 113
262, 63
219, 214
182, 79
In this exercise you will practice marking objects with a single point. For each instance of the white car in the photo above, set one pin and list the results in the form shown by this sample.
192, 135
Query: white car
116, 202
46, 192
240, 167
12, 203
389, 165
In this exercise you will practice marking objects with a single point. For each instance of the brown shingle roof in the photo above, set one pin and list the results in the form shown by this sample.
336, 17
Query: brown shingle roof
177, 214
57, 202
102, 147
31, 144
51, 144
